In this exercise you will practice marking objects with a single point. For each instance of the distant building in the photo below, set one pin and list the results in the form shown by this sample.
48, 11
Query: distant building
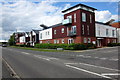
117, 25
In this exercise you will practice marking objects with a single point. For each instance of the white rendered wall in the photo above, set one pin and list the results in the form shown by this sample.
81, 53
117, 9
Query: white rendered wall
22, 39
118, 34
44, 35
102, 32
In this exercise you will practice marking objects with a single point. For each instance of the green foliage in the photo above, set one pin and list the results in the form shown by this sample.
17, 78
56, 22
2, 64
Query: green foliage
65, 46
113, 44
12, 40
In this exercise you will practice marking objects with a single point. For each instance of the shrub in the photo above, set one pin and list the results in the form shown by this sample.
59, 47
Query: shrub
73, 46
113, 44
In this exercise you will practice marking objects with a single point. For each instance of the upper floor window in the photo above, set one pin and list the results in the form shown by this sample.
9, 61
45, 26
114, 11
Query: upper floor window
69, 17
54, 31
40, 35
106, 32
62, 30
90, 18
113, 33
88, 29
48, 33
74, 17
82, 29
83, 17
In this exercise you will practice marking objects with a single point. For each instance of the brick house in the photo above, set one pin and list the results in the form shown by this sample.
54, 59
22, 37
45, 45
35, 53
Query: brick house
78, 26
18, 40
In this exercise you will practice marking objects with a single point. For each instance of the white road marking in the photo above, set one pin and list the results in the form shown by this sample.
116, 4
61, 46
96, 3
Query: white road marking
94, 66
103, 58
46, 58
114, 59
90, 72
25, 53
110, 74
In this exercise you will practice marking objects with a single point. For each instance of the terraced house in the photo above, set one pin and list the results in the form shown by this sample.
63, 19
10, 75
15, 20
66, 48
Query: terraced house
78, 26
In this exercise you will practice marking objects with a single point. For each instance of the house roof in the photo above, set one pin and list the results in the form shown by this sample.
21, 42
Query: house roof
56, 25
99, 22
36, 31
116, 24
77, 6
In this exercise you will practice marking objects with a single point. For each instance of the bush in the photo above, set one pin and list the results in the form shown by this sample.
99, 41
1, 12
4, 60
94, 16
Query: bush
73, 46
113, 44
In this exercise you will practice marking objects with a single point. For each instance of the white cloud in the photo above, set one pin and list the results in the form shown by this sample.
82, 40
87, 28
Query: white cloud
104, 16
26, 15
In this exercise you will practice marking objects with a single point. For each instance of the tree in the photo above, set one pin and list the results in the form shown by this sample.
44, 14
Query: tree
12, 40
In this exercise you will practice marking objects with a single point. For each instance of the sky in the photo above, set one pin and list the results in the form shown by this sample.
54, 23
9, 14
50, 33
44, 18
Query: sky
23, 16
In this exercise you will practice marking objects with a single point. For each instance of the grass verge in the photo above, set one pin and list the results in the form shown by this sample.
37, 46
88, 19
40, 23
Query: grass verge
37, 49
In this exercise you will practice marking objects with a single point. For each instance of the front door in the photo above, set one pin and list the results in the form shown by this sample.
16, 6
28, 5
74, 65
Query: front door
99, 44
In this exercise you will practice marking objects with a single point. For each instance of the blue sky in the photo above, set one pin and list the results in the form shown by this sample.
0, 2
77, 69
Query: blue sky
27, 15
111, 6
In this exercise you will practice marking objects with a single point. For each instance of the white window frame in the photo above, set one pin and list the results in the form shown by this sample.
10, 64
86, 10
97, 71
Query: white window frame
90, 18
62, 40
40, 35
88, 29
54, 31
75, 17
83, 17
55, 41
62, 30
83, 29
113, 33
107, 32
85, 40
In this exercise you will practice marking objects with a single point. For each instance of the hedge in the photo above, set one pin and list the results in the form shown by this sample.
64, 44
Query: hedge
113, 44
66, 46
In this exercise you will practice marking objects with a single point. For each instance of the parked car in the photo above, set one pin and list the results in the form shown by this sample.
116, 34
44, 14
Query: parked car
4, 45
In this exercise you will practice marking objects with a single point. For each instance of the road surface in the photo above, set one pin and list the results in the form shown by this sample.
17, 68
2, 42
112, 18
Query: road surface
90, 64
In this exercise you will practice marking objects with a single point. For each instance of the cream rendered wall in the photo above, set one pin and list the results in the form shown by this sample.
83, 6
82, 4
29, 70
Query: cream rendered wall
102, 28
118, 34
45, 35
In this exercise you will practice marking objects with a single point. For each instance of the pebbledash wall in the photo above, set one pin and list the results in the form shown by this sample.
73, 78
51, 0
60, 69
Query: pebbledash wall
78, 26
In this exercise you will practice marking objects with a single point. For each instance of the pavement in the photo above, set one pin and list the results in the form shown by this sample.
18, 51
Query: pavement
90, 64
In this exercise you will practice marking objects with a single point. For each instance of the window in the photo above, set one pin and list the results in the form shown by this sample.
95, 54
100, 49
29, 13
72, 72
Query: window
85, 40
40, 35
74, 17
99, 31
88, 29
82, 29
83, 17
89, 40
69, 17
74, 29
90, 18
54, 31
62, 40
106, 32
48, 32
113, 33
62, 30
55, 41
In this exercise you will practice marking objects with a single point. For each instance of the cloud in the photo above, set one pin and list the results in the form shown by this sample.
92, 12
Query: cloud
104, 16
26, 15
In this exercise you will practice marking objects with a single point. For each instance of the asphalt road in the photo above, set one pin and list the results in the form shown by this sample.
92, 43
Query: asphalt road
90, 64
